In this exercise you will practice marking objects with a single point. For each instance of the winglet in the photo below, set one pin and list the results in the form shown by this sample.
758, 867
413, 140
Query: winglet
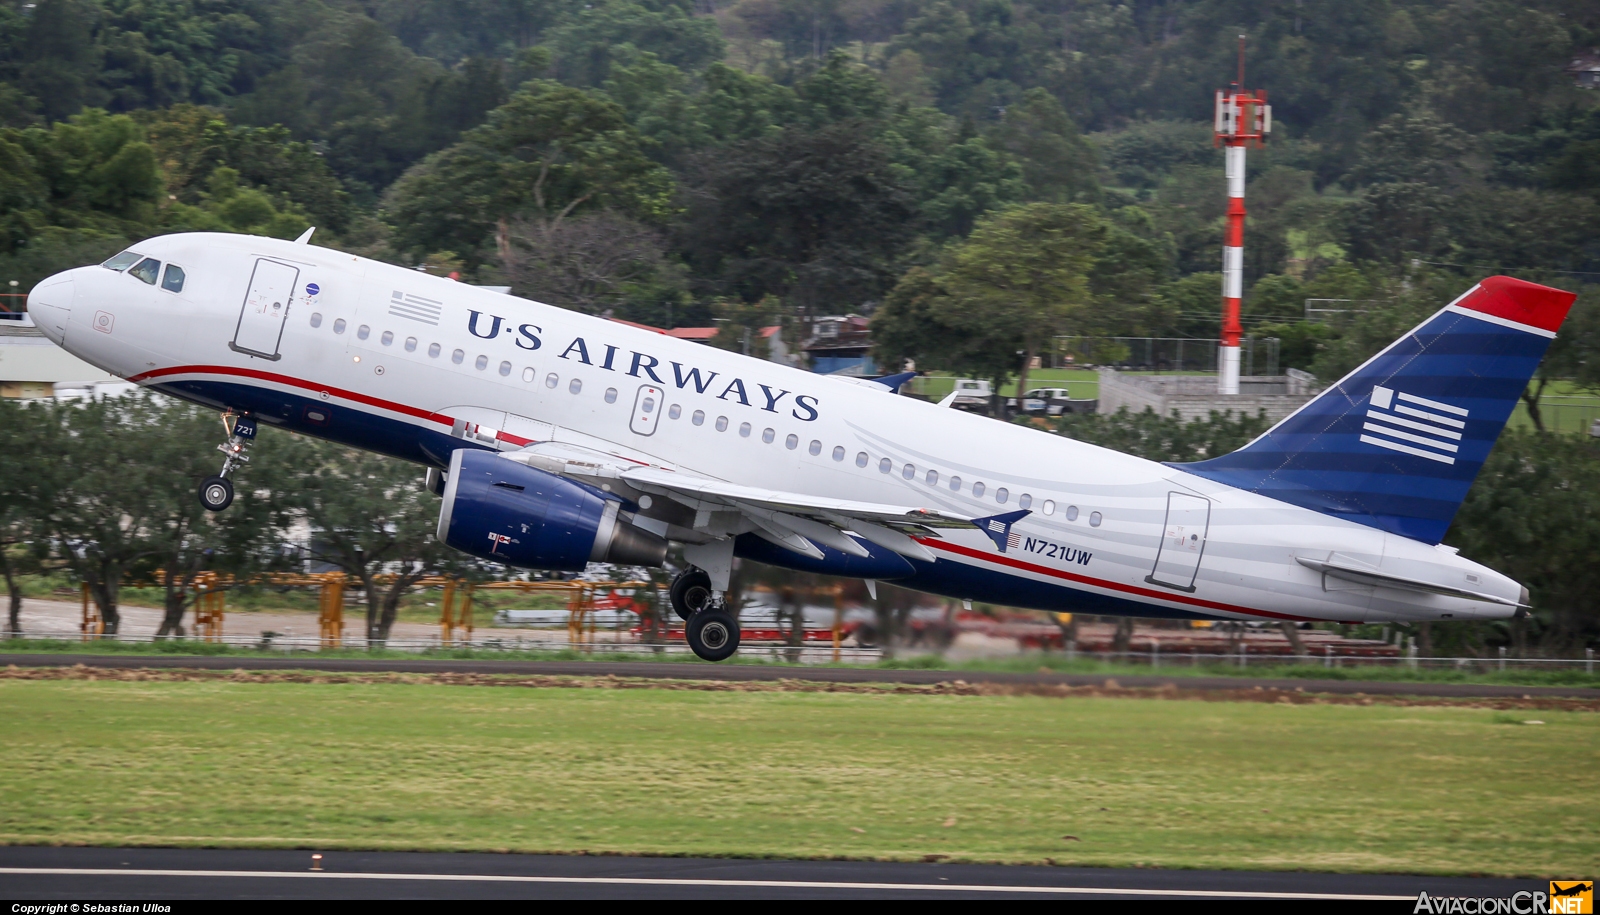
949, 399
998, 527
305, 237
893, 382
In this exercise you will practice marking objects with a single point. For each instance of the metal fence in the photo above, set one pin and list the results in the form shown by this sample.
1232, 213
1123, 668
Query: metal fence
1328, 659
1257, 355
812, 653
1155, 658
1563, 413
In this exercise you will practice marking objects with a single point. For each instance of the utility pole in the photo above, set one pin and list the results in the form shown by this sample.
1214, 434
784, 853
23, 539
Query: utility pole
1243, 119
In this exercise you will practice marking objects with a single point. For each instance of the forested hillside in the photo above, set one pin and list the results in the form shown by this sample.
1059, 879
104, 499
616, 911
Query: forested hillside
668, 159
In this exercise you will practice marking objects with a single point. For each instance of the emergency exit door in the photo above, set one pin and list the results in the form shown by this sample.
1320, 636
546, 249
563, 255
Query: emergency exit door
647, 406
265, 309
1183, 542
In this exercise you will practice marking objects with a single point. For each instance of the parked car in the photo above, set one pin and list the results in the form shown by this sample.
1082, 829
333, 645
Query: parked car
1052, 402
972, 395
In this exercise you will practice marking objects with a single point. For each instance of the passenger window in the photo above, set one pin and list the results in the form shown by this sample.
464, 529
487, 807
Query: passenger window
767, 436
1072, 512
722, 424
458, 356
1094, 519
173, 280
122, 261
575, 386
411, 344
505, 369
363, 332
885, 465
1049, 506
699, 417
338, 326
551, 380
933, 478
675, 412
387, 338
792, 442
815, 448
977, 490
955, 484
316, 319
910, 472
838, 452
1025, 502
481, 363
147, 270
744, 430
433, 350
861, 459
611, 395
528, 374
1001, 495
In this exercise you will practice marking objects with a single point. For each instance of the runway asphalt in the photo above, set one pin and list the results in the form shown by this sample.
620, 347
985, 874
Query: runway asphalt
170, 874
740, 672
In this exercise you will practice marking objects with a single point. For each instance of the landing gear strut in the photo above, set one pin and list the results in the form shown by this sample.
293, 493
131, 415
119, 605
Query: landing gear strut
712, 633
216, 493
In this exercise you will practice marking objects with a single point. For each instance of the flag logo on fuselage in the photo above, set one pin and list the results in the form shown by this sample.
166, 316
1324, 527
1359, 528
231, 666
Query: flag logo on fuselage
1414, 425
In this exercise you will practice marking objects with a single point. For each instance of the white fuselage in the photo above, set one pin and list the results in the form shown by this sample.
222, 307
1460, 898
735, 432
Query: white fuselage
402, 359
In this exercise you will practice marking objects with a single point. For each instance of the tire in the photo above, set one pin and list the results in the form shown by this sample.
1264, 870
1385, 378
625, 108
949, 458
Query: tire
216, 493
690, 593
713, 634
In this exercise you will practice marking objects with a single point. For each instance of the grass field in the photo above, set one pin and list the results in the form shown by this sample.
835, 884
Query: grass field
889, 775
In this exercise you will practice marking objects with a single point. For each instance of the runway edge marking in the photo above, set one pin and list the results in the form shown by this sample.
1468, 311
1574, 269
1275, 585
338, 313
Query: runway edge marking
673, 881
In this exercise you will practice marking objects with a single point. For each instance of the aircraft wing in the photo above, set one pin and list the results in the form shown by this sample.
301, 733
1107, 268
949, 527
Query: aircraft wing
796, 520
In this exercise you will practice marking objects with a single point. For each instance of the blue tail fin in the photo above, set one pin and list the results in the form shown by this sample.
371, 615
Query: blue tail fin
1397, 443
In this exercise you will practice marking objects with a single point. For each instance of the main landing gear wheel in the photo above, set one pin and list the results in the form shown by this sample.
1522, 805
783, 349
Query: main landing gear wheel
216, 494
713, 633
690, 593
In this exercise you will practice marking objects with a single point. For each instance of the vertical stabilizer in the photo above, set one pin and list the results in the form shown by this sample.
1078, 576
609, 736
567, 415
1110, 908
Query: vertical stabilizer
1397, 443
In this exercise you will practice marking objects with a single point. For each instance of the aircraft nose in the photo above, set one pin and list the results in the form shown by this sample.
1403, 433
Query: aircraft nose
50, 304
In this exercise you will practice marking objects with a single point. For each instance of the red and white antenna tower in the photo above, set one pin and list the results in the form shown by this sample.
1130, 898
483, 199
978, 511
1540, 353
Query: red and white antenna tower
1243, 119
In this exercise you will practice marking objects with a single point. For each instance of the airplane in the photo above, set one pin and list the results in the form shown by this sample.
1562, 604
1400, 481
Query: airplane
556, 439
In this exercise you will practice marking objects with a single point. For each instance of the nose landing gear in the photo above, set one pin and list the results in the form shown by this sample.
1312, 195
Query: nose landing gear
712, 633
216, 493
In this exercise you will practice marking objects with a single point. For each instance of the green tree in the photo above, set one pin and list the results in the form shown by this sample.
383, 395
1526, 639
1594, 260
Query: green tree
1057, 162
1024, 275
548, 153
1531, 515
817, 218
370, 516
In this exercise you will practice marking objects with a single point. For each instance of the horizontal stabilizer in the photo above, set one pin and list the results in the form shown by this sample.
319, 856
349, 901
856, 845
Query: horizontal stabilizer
1363, 575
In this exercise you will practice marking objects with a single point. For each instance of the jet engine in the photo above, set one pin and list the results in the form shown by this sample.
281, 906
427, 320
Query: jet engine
508, 512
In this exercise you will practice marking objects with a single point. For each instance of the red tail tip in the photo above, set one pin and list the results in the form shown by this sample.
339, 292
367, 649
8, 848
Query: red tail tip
1520, 301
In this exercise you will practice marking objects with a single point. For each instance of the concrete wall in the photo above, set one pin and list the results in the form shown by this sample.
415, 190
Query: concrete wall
31, 366
1195, 397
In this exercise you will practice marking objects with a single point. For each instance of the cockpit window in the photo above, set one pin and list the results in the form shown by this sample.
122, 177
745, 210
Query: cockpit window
173, 281
122, 261
147, 270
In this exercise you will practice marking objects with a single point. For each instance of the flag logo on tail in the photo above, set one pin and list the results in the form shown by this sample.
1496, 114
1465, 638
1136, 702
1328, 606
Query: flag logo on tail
1414, 425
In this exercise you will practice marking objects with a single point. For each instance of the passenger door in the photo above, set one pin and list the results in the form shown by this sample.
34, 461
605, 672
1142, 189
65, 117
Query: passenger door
1183, 542
265, 309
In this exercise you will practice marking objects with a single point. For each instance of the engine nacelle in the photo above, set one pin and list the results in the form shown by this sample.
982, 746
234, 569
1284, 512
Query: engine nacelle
508, 512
